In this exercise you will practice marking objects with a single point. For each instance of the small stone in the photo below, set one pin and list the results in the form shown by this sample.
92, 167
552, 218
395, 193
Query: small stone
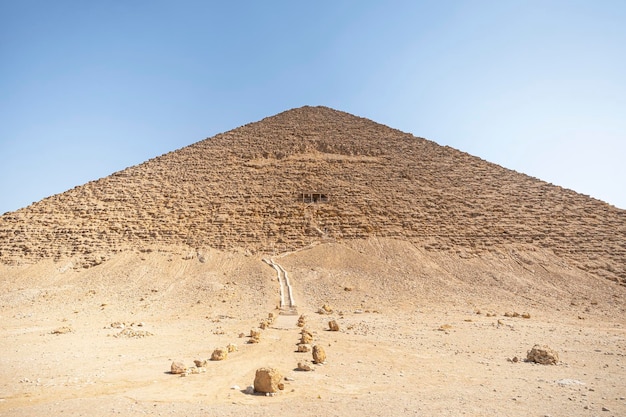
305, 338
200, 363
333, 326
303, 348
605, 409
62, 330
303, 366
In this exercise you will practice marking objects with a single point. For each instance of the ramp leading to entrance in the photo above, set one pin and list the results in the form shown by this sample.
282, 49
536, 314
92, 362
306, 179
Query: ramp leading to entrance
287, 301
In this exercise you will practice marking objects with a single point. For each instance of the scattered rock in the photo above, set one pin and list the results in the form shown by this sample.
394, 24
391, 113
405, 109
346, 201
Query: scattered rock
525, 315
62, 330
178, 368
219, 354
319, 355
132, 333
325, 309
305, 337
255, 336
303, 348
194, 370
231, 348
266, 380
303, 366
333, 326
200, 363
542, 355
301, 320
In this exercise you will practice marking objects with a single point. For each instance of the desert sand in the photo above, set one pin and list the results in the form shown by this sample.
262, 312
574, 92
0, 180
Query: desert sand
420, 333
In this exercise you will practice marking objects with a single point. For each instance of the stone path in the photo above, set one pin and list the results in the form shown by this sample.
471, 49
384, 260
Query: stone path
287, 301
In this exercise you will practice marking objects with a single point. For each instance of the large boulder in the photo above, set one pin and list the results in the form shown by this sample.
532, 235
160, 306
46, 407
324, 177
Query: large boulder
542, 355
267, 380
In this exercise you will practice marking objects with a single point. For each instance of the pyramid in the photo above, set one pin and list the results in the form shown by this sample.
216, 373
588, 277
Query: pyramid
312, 175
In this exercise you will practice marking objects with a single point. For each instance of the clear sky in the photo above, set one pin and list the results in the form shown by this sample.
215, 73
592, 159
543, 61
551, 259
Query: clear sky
88, 88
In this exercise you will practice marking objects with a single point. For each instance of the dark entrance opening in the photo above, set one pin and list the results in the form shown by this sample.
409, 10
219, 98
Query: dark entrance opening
314, 197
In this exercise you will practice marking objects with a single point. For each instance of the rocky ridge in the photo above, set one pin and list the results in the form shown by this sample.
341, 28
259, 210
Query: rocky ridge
311, 175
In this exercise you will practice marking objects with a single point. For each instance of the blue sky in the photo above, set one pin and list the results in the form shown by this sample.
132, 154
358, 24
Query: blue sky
88, 88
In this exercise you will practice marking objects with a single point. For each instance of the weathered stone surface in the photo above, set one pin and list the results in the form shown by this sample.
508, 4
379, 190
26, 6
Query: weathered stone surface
272, 162
178, 368
266, 380
219, 354
333, 326
543, 355
319, 354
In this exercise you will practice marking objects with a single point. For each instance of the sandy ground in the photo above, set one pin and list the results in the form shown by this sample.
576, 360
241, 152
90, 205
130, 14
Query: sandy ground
417, 337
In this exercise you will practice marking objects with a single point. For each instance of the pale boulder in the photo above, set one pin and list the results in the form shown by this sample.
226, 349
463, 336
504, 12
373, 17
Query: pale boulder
319, 354
267, 380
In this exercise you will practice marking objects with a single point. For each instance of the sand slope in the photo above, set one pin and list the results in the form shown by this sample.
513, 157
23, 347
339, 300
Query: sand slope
415, 335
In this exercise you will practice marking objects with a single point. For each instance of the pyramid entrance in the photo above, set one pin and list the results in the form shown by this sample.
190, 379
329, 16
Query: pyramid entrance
311, 197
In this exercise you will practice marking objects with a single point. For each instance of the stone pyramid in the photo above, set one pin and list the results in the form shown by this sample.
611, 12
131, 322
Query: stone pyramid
312, 175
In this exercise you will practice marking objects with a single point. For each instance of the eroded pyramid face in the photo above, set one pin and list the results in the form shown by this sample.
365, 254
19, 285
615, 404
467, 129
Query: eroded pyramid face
309, 175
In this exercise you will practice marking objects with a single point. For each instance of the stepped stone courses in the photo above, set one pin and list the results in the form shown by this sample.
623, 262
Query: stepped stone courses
243, 190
